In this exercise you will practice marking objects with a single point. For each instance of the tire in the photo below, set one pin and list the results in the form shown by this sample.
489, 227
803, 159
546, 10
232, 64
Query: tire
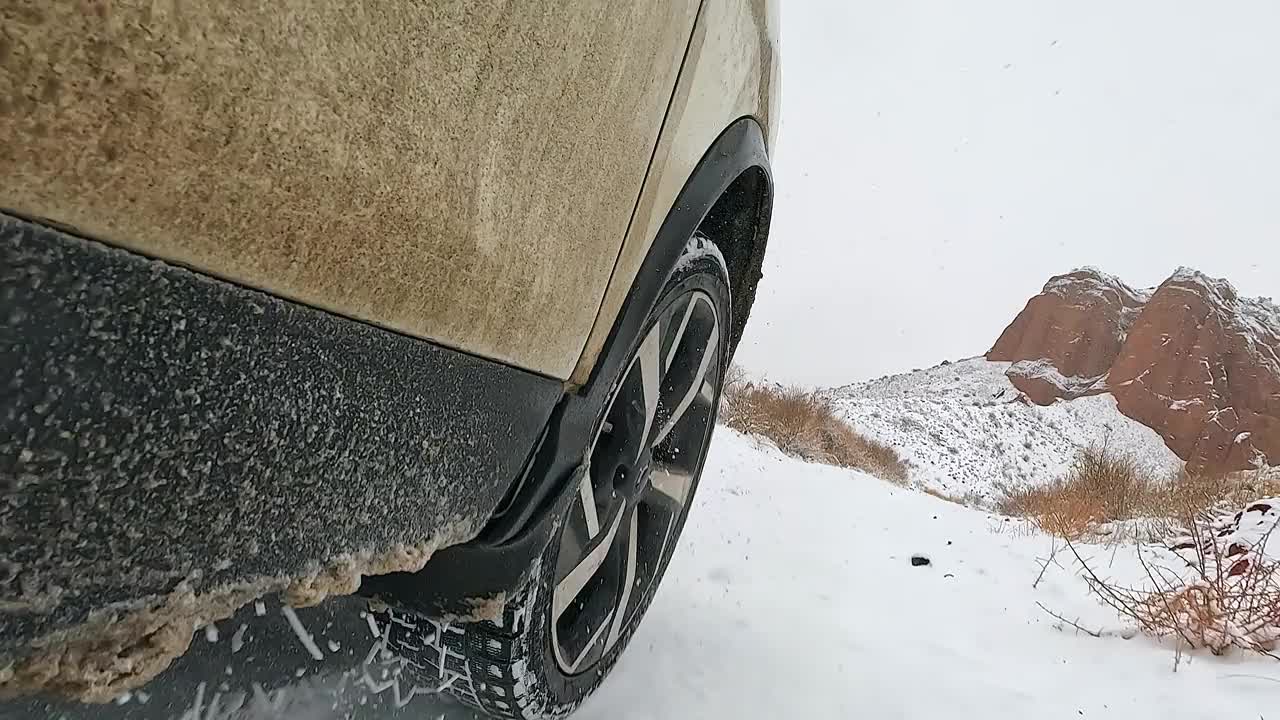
557, 638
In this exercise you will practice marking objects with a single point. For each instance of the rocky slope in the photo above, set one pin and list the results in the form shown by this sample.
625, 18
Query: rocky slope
1191, 359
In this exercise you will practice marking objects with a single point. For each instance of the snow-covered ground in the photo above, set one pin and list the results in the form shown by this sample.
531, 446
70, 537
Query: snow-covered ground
962, 430
792, 595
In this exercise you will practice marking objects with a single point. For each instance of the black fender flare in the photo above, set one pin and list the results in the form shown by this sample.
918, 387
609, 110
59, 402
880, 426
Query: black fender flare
739, 148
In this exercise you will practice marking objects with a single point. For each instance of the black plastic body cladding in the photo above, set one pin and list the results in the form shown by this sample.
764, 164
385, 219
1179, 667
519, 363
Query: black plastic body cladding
159, 426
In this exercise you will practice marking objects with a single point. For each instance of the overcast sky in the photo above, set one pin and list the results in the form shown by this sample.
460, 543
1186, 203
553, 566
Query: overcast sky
939, 160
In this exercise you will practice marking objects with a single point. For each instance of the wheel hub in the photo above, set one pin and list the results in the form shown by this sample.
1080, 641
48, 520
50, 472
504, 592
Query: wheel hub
631, 480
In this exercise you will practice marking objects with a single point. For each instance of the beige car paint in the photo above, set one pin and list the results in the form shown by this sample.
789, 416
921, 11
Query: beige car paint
458, 170
732, 71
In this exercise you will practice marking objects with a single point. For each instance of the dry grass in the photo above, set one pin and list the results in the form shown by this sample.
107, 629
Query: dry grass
1190, 494
804, 424
1105, 486
943, 495
1101, 486
972, 498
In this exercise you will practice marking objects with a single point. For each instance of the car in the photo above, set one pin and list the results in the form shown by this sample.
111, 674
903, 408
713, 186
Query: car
429, 302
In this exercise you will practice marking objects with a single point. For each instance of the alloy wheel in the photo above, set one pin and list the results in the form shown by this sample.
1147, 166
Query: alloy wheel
633, 498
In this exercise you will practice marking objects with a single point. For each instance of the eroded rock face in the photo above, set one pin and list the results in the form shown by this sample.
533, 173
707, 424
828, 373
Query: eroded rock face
1041, 383
1064, 341
1200, 367
1191, 359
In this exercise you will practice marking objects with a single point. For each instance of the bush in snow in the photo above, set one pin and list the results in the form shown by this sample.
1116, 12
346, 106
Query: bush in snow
1227, 597
1106, 492
1189, 494
803, 423
1102, 485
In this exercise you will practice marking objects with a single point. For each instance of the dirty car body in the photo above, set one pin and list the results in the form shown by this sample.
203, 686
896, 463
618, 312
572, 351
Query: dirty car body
299, 293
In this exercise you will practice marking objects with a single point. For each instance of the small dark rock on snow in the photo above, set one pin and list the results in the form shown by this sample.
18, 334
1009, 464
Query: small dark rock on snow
919, 560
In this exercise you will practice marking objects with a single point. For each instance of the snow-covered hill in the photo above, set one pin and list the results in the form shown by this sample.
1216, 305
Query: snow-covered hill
962, 429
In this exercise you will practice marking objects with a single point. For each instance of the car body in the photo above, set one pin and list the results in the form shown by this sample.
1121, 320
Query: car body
297, 292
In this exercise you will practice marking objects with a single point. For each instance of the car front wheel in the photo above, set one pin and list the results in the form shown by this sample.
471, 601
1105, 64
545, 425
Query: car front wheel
580, 602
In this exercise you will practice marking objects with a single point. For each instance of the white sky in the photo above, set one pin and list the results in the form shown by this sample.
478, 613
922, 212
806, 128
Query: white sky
939, 160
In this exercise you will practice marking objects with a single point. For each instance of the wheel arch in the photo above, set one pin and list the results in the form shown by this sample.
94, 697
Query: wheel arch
729, 198
738, 224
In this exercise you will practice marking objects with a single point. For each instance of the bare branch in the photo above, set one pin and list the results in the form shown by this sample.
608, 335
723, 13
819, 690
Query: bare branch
1164, 597
1053, 554
1072, 623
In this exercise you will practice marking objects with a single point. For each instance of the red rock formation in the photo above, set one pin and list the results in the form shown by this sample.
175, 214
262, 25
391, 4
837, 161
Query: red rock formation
1201, 367
1192, 360
1066, 338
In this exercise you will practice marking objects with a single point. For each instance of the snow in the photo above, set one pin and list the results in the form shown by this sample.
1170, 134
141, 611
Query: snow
237, 640
304, 637
373, 625
1220, 287
1069, 386
962, 430
698, 247
1091, 280
792, 595
1251, 527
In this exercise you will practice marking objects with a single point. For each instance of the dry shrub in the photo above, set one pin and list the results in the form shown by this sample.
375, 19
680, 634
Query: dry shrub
803, 423
971, 498
1106, 486
1229, 597
943, 495
1101, 486
1189, 494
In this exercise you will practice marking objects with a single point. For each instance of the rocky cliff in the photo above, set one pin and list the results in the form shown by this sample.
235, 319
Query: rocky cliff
1067, 337
1191, 359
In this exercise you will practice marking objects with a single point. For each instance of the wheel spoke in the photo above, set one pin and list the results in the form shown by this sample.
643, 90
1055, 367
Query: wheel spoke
695, 387
671, 482
595, 638
666, 499
628, 581
708, 392
567, 589
587, 495
684, 325
650, 376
